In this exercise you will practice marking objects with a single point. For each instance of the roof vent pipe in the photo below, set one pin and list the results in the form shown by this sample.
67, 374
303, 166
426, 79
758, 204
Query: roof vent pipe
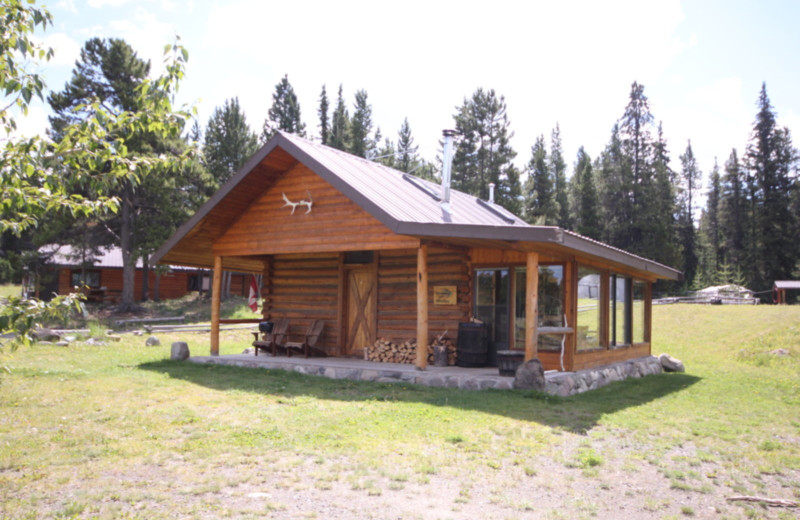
491, 193
447, 164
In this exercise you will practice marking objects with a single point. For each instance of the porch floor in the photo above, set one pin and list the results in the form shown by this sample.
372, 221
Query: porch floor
557, 383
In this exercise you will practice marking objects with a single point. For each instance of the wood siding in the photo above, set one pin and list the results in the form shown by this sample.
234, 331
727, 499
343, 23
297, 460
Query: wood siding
174, 284
594, 358
397, 292
334, 224
304, 288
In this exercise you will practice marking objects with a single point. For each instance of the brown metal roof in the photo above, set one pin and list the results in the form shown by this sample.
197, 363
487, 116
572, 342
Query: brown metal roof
407, 205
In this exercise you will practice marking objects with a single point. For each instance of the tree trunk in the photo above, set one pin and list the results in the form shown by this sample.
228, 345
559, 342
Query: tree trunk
156, 287
145, 278
126, 244
226, 291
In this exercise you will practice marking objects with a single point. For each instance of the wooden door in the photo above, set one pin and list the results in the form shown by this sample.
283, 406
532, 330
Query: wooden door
361, 310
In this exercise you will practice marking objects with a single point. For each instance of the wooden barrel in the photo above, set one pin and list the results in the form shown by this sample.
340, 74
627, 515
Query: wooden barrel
472, 346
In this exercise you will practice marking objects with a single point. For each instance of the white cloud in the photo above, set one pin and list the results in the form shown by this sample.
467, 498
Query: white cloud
68, 6
65, 49
99, 4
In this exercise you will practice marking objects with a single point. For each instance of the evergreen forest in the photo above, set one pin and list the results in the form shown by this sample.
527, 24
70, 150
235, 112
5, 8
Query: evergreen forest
735, 223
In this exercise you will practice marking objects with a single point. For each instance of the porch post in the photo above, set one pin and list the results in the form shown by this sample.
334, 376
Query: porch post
422, 307
216, 290
531, 305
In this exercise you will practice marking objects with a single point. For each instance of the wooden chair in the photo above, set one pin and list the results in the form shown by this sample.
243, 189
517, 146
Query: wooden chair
275, 340
308, 345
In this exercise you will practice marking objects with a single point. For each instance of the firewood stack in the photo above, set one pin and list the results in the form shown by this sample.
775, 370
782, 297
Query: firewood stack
386, 351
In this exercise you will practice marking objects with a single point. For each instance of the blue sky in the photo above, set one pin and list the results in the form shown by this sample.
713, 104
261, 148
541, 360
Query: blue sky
572, 63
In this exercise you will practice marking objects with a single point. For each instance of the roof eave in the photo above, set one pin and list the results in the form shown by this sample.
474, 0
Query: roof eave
226, 188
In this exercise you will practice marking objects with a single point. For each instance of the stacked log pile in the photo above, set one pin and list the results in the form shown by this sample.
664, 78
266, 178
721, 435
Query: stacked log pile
387, 351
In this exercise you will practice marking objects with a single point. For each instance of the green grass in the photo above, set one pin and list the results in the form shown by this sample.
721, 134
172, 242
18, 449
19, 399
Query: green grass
121, 431
9, 289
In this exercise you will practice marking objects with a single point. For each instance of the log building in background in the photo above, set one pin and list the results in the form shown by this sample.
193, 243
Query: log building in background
67, 268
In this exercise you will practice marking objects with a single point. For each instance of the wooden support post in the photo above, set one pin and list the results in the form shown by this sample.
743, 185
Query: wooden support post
531, 305
216, 296
422, 307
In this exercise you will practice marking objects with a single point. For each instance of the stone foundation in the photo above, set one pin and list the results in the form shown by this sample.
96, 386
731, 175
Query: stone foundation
569, 383
557, 383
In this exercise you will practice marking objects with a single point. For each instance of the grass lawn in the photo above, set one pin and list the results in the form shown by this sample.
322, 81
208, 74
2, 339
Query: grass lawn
121, 432
9, 289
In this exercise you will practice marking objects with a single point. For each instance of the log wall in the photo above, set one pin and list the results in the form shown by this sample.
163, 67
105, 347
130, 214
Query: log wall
304, 288
397, 292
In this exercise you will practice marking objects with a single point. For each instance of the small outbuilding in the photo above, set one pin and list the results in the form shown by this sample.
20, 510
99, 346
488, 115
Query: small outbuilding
377, 253
781, 288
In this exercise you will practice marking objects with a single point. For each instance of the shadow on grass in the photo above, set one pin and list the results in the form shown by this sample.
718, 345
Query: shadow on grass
578, 413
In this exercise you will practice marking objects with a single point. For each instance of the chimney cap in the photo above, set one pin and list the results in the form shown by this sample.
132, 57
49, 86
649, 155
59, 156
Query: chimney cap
449, 133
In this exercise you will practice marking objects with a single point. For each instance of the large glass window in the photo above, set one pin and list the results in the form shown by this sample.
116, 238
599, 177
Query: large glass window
551, 305
619, 311
491, 304
589, 324
638, 311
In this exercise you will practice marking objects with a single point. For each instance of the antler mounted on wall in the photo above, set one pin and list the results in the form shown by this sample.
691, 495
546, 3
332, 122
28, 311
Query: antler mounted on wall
307, 203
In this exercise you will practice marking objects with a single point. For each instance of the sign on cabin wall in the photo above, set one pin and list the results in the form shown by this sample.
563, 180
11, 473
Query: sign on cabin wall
445, 295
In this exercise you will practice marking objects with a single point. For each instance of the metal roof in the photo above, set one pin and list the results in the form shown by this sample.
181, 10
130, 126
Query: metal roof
405, 204
787, 284
69, 256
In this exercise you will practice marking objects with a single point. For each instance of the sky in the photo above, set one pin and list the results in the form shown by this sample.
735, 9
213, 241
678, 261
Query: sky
569, 63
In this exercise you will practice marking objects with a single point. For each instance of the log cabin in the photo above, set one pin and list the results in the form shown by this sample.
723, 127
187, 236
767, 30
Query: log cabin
99, 275
378, 253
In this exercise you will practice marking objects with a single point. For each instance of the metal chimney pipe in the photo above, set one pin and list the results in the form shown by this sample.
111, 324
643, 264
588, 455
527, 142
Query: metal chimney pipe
491, 193
447, 164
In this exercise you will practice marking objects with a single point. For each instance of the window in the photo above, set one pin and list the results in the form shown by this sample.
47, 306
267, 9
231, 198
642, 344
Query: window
491, 304
551, 305
638, 311
619, 311
589, 318
88, 278
359, 257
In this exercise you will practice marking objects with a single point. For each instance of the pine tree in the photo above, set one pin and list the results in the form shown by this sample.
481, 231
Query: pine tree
107, 70
771, 161
558, 169
110, 73
195, 133
407, 158
387, 154
581, 158
733, 209
614, 190
284, 114
713, 226
361, 144
483, 153
689, 180
322, 112
636, 178
588, 219
541, 208
660, 233
340, 125
229, 142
